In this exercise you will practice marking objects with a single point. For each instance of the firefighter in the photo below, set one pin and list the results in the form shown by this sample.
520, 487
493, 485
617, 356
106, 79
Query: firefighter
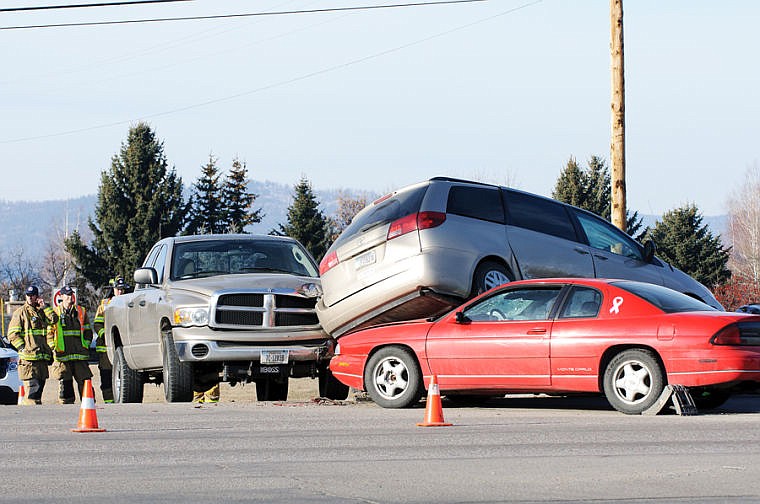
118, 287
26, 333
69, 336
207, 396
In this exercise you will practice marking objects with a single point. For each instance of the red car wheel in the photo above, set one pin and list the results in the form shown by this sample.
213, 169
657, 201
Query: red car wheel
393, 378
633, 381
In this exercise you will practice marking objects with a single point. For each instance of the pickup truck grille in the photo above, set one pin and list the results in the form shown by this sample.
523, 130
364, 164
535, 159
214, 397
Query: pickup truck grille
264, 310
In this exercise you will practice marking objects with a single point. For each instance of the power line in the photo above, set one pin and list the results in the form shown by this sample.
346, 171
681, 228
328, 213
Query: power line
280, 83
77, 6
249, 14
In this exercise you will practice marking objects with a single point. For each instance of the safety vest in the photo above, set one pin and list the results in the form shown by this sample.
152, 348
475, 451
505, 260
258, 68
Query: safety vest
99, 325
62, 333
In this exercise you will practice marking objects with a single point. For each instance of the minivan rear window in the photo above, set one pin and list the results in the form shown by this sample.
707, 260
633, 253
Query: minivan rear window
539, 214
388, 210
477, 202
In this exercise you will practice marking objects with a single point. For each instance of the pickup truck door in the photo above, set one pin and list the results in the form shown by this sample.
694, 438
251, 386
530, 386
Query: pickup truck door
144, 324
144, 337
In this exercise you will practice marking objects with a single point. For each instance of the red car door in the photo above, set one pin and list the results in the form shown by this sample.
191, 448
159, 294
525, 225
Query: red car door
503, 343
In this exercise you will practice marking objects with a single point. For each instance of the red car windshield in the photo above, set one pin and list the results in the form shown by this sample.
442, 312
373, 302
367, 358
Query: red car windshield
665, 299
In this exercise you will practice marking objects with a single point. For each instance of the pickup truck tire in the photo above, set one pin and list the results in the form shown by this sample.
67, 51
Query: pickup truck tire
272, 389
178, 376
330, 387
127, 383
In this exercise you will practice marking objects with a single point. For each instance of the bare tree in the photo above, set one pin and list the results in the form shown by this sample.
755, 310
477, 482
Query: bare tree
18, 272
744, 226
347, 208
57, 266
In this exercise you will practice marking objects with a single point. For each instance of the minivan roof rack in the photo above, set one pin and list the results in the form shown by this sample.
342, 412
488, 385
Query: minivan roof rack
452, 179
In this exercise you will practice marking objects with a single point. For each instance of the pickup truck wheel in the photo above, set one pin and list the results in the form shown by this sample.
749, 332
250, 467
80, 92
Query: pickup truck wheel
330, 387
272, 389
127, 383
178, 376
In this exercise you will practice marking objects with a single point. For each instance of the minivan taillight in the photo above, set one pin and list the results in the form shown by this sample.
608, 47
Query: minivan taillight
415, 221
328, 262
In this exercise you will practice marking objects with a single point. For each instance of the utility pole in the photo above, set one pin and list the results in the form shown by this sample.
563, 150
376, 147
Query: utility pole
617, 144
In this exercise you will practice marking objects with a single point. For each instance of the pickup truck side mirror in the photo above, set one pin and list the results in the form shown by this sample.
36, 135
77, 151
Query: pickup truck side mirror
649, 250
146, 276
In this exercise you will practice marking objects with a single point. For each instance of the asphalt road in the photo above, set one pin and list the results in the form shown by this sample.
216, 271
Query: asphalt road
514, 450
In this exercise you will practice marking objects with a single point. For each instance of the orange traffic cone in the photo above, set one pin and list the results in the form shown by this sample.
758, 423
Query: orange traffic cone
88, 418
21, 394
433, 409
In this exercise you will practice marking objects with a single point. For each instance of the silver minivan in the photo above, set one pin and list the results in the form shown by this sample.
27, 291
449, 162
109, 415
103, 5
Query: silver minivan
420, 250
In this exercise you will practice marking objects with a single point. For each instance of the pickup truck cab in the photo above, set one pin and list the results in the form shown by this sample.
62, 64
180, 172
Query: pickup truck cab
210, 308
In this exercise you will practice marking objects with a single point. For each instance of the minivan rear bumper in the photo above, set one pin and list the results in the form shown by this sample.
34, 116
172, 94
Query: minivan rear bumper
410, 293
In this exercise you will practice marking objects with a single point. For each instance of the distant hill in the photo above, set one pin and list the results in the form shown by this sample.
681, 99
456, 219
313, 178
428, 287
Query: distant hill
28, 225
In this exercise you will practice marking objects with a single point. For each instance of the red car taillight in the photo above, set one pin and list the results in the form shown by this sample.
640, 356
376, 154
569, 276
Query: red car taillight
328, 262
727, 336
415, 221
739, 334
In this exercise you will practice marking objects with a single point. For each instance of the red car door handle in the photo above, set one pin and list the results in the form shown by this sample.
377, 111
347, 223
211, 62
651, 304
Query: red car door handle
537, 330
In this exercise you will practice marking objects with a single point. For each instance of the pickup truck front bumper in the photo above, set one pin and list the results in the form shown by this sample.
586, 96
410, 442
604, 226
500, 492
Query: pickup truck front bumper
221, 351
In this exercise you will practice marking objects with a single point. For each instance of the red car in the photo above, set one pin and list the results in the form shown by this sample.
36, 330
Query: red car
625, 339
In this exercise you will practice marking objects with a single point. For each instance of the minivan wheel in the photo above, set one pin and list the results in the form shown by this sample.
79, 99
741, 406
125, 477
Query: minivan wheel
488, 275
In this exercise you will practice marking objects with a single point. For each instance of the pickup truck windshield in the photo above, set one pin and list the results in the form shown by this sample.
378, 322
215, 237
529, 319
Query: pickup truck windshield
228, 257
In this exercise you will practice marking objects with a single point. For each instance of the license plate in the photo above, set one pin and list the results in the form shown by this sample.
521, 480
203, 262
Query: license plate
274, 356
365, 259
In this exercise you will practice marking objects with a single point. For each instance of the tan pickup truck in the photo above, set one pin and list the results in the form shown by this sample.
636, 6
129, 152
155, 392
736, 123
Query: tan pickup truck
210, 308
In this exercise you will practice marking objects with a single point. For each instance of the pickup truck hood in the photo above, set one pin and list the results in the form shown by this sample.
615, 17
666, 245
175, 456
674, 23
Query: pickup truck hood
241, 282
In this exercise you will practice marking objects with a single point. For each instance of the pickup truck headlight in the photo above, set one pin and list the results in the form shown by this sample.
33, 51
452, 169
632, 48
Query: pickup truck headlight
310, 290
191, 316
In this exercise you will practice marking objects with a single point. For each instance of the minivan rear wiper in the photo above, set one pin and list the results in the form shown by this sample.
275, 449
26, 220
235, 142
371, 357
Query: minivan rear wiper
371, 225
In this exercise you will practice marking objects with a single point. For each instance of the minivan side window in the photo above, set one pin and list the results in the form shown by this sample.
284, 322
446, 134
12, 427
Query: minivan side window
388, 210
477, 202
539, 214
604, 236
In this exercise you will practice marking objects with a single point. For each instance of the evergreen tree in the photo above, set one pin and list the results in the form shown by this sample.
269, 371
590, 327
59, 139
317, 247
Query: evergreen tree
208, 214
590, 188
598, 188
687, 244
238, 201
571, 184
139, 202
306, 223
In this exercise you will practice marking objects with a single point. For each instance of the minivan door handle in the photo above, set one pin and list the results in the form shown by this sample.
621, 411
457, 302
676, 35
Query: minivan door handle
603, 258
581, 251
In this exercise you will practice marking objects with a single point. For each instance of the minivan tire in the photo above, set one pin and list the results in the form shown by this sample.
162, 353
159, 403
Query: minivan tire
488, 275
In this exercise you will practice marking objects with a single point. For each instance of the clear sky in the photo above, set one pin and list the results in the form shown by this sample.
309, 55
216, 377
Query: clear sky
503, 91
